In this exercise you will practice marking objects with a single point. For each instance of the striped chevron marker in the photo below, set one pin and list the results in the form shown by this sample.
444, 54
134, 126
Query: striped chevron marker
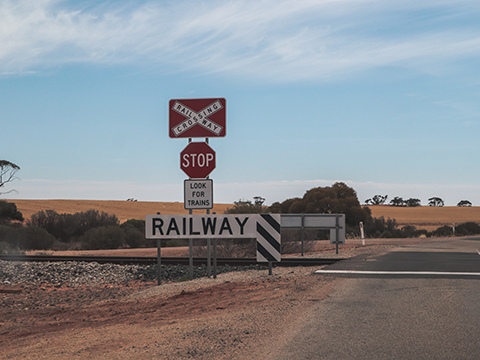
268, 237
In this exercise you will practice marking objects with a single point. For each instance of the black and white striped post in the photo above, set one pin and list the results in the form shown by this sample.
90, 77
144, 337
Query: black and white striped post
269, 239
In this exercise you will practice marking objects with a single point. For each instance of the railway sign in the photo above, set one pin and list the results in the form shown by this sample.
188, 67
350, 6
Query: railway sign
198, 194
197, 118
197, 160
264, 227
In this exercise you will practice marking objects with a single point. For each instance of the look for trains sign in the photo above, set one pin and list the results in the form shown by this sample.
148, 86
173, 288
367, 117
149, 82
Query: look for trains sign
197, 118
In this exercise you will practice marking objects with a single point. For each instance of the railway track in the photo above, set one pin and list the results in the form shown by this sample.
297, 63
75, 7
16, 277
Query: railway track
141, 260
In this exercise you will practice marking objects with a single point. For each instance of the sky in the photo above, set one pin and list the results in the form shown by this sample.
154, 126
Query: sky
382, 95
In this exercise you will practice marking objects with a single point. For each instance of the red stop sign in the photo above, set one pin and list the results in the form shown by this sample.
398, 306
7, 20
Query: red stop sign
197, 160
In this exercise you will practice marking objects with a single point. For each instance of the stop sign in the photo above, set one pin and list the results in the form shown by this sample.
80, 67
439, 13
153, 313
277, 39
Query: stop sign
197, 160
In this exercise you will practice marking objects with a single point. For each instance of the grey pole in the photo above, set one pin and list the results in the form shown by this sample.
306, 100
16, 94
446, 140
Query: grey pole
214, 257
337, 228
303, 230
159, 260
209, 255
209, 263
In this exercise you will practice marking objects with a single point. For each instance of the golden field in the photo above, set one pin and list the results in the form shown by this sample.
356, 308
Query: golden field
124, 210
427, 217
423, 217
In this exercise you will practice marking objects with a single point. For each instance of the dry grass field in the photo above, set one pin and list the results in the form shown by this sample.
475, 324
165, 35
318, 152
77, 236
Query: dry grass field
423, 217
124, 210
427, 217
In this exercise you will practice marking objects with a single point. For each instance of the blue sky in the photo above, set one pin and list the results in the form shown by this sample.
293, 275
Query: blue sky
382, 95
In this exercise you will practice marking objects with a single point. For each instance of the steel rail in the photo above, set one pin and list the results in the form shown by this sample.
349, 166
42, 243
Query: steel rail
143, 260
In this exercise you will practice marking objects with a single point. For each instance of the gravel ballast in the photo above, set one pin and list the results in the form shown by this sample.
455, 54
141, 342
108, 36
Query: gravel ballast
91, 273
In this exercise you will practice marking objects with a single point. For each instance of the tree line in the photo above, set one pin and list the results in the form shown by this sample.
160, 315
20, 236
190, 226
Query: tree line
411, 202
340, 198
92, 229
87, 230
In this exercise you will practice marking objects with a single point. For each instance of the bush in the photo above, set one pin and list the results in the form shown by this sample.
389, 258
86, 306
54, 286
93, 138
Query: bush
9, 212
134, 238
338, 198
7, 249
467, 228
240, 248
136, 224
248, 207
381, 228
33, 238
443, 231
67, 227
6, 234
105, 237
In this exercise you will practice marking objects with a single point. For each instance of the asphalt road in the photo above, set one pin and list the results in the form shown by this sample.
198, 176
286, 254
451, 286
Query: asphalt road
397, 316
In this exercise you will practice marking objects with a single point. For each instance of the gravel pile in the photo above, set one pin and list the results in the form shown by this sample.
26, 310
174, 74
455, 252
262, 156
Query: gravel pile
91, 273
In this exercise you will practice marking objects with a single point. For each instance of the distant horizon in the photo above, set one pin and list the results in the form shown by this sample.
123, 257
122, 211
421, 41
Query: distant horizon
228, 193
220, 203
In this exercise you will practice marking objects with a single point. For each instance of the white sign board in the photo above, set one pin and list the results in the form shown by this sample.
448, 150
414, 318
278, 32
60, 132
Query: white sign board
264, 227
312, 220
198, 194
333, 222
200, 226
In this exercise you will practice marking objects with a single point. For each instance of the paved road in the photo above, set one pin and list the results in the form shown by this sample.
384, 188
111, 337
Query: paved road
397, 316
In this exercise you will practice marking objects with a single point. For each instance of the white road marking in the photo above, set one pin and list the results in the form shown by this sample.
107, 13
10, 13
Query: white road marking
366, 272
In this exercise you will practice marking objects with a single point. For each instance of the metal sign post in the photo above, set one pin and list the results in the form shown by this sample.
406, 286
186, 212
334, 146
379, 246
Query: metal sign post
337, 227
195, 118
159, 260
333, 222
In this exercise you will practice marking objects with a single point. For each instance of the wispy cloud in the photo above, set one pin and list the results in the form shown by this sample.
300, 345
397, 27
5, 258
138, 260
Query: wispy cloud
283, 39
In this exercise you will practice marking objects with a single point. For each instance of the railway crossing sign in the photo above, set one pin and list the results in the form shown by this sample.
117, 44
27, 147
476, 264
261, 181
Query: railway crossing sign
264, 227
197, 118
197, 160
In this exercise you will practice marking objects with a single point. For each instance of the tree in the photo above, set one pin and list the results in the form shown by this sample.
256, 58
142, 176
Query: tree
7, 173
9, 213
464, 203
376, 200
284, 207
247, 207
413, 202
435, 201
397, 201
338, 198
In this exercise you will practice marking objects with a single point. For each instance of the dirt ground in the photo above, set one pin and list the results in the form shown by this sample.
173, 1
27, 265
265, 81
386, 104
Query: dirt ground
236, 316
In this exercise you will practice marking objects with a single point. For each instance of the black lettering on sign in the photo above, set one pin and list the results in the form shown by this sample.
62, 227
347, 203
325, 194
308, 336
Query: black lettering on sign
241, 224
225, 226
209, 225
156, 225
173, 227
191, 228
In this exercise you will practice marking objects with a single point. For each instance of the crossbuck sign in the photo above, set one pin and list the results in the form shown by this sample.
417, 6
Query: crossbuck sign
264, 227
193, 118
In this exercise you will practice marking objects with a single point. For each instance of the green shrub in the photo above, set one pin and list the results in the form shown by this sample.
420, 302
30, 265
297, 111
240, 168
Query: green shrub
68, 227
7, 249
6, 234
467, 228
33, 238
105, 237
443, 231
134, 238
9, 212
